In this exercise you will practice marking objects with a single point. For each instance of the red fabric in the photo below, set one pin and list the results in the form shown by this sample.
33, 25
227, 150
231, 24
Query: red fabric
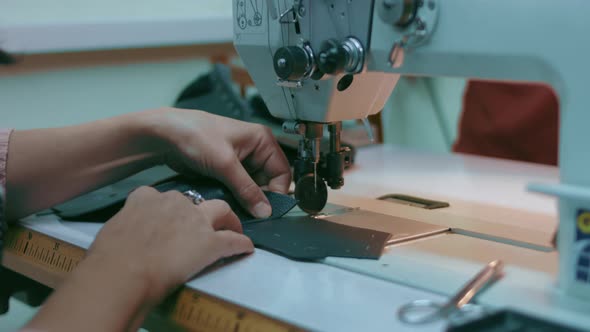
509, 120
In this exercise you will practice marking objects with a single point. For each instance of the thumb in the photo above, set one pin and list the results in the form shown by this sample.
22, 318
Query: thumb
246, 191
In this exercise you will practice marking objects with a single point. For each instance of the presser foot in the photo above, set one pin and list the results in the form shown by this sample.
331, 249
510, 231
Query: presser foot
311, 194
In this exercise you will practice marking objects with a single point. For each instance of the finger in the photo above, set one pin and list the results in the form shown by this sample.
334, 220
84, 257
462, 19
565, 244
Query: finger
140, 196
232, 243
260, 178
281, 183
176, 195
221, 215
141, 192
178, 198
268, 158
244, 189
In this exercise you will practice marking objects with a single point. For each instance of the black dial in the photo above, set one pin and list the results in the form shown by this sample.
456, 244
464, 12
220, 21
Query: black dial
332, 57
291, 63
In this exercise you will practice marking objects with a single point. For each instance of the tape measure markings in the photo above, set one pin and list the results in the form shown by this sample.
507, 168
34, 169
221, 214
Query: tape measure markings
190, 309
43, 250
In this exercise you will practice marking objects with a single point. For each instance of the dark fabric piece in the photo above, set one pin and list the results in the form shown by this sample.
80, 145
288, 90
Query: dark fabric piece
509, 120
105, 202
306, 238
281, 204
6, 59
212, 189
101, 205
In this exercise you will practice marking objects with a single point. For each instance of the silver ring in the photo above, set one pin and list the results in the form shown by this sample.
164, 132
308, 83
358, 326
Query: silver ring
194, 196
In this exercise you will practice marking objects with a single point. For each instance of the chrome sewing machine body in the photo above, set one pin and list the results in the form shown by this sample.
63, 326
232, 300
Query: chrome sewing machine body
319, 62
308, 60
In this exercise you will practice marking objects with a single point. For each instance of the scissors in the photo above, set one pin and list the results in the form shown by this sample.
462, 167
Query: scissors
427, 311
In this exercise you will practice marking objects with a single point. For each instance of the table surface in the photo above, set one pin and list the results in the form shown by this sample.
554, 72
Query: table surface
384, 169
35, 26
332, 297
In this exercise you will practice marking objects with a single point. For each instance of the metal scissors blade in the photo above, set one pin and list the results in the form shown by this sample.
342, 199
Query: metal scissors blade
427, 311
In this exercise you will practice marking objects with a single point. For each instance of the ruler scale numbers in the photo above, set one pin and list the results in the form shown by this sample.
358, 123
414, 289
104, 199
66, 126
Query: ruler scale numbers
190, 309
43, 250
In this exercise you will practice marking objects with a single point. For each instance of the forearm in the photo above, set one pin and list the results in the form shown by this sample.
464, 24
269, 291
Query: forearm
48, 166
96, 297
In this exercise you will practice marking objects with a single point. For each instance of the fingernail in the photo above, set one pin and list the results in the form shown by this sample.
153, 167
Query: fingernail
262, 210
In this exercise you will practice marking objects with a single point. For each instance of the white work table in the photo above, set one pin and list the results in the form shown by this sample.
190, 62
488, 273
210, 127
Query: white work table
385, 169
330, 297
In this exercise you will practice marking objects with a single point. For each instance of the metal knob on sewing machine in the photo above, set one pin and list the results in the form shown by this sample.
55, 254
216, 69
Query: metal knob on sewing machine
292, 63
336, 57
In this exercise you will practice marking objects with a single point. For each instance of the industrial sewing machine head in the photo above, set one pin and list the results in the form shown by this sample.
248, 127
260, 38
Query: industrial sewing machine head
308, 60
319, 62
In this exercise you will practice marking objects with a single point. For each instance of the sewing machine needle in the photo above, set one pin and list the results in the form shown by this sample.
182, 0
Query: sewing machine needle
315, 177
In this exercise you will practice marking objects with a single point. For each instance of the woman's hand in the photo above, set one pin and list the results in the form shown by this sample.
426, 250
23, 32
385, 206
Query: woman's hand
49, 166
154, 244
168, 238
244, 156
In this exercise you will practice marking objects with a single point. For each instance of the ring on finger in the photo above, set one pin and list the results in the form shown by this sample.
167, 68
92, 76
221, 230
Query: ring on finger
194, 196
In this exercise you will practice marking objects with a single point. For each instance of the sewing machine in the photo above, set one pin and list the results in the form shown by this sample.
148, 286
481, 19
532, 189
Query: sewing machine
490, 215
317, 63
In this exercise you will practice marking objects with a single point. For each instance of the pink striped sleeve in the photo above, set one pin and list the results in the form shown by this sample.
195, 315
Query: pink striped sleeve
4, 137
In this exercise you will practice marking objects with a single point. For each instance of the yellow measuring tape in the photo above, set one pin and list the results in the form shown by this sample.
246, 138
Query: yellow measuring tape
189, 308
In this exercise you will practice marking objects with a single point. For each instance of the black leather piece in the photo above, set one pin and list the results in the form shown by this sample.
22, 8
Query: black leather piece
281, 204
212, 189
301, 238
105, 202
101, 205
306, 238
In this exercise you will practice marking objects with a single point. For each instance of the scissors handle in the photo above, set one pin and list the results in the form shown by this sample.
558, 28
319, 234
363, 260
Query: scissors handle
490, 272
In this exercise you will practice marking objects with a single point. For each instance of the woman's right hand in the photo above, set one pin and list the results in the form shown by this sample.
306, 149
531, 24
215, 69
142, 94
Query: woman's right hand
154, 244
164, 239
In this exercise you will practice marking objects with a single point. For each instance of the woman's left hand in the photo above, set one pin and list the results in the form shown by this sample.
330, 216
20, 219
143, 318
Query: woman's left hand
244, 156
